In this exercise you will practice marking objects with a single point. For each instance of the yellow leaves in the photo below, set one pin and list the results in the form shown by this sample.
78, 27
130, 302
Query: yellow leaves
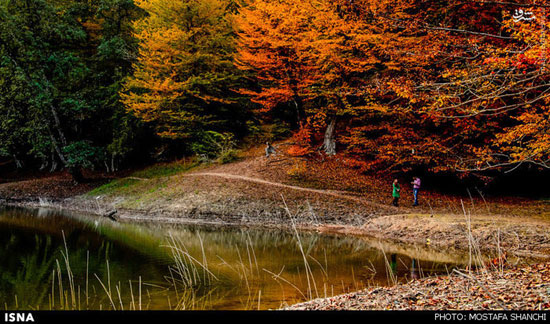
373, 107
403, 89
184, 61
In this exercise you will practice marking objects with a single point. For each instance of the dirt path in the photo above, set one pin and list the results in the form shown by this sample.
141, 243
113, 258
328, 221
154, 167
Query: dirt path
332, 193
335, 212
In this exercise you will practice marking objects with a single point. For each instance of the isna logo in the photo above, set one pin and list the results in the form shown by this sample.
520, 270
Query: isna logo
18, 317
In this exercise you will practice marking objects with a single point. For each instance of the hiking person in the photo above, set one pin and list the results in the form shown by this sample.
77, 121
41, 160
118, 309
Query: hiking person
416, 187
395, 193
269, 150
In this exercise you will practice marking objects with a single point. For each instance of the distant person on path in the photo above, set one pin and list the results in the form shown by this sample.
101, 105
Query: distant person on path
416, 187
395, 193
269, 150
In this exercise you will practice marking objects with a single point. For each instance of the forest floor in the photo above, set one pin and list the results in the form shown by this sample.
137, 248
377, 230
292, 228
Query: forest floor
324, 196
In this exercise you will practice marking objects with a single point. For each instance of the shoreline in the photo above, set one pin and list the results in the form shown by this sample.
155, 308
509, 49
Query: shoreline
412, 292
517, 288
390, 228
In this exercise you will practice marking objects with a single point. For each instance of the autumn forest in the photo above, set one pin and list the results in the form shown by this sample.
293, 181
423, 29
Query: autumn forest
396, 86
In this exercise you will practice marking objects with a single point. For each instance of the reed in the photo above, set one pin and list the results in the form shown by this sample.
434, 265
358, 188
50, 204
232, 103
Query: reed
309, 274
186, 267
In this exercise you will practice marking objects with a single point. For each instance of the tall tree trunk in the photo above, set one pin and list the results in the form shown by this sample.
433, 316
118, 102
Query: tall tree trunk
57, 125
54, 162
113, 168
57, 149
75, 172
329, 143
298, 115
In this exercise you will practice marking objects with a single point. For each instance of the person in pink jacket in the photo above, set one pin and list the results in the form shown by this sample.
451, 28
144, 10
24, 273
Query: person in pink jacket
416, 187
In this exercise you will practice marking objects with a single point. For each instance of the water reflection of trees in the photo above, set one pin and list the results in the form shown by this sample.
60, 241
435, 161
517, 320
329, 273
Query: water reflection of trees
244, 261
29, 263
25, 273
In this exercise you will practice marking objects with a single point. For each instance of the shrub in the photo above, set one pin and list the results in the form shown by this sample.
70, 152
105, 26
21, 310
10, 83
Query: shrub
216, 146
228, 156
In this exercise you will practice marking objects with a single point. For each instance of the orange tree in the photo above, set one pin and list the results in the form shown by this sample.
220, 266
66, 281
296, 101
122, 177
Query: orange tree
453, 91
315, 57
487, 100
507, 87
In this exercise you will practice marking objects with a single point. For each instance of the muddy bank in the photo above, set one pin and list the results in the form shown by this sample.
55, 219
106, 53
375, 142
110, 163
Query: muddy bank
249, 194
514, 287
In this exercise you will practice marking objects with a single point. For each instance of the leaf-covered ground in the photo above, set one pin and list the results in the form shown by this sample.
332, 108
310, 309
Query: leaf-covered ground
521, 288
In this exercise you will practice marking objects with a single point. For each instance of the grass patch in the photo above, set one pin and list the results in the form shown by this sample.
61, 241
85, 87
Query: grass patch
139, 180
165, 169
118, 185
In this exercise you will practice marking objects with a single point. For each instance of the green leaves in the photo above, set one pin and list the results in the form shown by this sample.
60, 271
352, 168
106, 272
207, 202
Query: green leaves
81, 154
61, 68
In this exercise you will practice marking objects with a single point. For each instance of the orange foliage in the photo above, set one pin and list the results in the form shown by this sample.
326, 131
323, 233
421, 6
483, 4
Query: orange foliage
439, 85
464, 88
302, 139
312, 56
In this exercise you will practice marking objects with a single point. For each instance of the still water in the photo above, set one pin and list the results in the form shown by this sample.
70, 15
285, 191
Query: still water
51, 259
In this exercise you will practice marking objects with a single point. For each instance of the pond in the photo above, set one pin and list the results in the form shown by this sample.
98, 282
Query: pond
52, 259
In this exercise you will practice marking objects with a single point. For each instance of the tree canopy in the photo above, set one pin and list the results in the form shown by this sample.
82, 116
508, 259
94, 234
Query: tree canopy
396, 86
